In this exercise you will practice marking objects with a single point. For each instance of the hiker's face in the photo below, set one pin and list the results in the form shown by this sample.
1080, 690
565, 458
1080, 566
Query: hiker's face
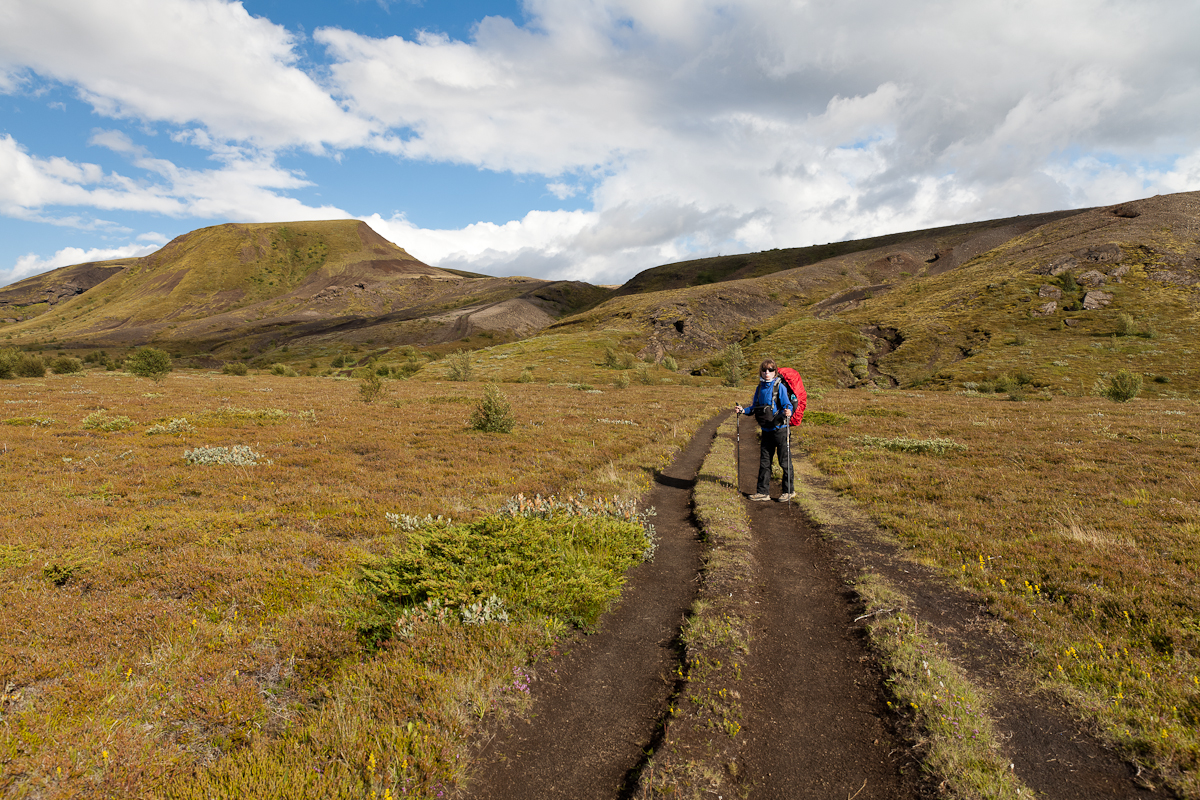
766, 372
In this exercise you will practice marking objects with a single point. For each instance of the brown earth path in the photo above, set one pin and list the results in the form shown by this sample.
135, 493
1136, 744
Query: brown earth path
817, 722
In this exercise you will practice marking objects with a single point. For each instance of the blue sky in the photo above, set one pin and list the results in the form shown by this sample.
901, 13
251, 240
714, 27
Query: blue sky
583, 139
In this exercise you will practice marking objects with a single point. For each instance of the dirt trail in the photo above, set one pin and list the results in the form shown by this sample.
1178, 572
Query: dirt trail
817, 720
596, 707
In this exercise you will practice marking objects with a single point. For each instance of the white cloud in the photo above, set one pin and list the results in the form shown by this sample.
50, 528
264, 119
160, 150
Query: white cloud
246, 188
31, 264
695, 126
179, 61
769, 123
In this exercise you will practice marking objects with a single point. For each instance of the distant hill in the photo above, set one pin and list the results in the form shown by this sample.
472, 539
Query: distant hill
1048, 302
1052, 301
254, 283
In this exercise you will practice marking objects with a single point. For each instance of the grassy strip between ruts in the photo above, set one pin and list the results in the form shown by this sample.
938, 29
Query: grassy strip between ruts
699, 754
959, 745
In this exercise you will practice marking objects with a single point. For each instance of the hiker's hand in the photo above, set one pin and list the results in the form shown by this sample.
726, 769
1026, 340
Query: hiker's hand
738, 408
787, 413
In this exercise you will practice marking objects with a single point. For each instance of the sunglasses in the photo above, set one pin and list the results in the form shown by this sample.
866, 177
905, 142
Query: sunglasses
766, 371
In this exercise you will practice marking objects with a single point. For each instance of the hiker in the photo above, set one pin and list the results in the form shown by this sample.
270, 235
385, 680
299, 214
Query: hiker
772, 408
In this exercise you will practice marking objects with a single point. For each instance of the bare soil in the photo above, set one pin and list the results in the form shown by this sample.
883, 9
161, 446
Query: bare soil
817, 722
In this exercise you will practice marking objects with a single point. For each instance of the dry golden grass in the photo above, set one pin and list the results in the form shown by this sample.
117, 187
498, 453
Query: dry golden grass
175, 628
1077, 519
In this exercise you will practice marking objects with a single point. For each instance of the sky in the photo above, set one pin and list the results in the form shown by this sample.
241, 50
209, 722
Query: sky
580, 139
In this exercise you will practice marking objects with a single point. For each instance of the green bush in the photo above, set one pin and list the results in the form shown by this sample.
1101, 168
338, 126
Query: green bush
235, 368
459, 366
493, 414
1125, 325
670, 363
902, 444
149, 362
526, 375
8, 358
15, 364
559, 567
1122, 387
371, 388
283, 370
101, 421
65, 365
825, 418
735, 365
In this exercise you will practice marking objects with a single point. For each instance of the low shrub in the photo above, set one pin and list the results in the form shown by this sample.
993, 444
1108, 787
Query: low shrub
235, 368
1122, 387
371, 388
459, 367
552, 567
149, 362
825, 418
283, 370
238, 455
494, 412
65, 365
175, 426
901, 444
100, 420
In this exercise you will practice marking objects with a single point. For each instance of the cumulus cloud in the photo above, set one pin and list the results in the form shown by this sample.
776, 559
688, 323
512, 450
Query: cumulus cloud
32, 264
246, 188
207, 62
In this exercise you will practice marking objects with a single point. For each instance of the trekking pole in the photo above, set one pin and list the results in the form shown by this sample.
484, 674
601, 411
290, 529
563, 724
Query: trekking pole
737, 449
791, 467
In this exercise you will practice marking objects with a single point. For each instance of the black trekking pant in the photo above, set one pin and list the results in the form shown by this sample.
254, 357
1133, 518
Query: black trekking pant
775, 443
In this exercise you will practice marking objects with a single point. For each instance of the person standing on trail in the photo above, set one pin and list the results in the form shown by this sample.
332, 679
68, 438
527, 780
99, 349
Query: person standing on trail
772, 408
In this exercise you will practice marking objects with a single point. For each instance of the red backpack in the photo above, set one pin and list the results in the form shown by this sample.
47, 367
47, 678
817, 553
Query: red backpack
795, 386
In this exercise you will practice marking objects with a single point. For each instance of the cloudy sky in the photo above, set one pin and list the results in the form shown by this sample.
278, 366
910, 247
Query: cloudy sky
585, 139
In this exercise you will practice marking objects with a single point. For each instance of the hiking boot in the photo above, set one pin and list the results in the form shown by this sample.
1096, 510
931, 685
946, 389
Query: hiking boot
760, 496
786, 496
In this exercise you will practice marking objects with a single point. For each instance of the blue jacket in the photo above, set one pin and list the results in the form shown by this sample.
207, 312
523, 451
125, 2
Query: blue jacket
766, 396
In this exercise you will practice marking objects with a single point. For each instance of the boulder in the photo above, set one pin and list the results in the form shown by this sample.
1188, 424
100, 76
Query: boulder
1096, 299
1053, 292
1093, 277
1046, 310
